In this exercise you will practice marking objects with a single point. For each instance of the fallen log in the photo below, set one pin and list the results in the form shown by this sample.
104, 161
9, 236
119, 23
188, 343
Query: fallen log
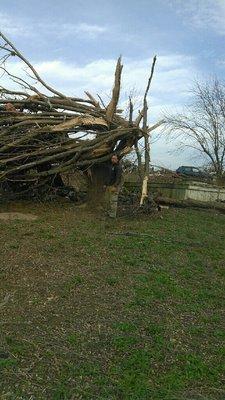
190, 204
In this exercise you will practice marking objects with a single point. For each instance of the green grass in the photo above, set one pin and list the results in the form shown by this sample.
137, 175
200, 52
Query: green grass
87, 314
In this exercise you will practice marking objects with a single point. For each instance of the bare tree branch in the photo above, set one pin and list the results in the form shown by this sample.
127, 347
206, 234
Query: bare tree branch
202, 125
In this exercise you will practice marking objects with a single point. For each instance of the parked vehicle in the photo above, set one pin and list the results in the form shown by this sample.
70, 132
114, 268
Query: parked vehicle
193, 172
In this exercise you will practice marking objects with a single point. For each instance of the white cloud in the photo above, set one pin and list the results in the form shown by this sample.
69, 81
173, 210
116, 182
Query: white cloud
169, 86
170, 83
92, 30
202, 14
82, 29
11, 25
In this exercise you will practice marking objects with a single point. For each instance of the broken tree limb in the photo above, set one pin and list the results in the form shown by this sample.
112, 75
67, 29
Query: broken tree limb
191, 204
155, 126
15, 52
111, 108
144, 194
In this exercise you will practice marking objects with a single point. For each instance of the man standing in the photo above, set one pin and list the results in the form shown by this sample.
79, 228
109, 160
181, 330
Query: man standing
112, 185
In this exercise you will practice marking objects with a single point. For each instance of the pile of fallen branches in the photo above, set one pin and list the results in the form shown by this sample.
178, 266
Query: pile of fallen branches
44, 133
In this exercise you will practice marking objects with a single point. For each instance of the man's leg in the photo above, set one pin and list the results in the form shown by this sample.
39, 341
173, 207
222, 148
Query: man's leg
113, 202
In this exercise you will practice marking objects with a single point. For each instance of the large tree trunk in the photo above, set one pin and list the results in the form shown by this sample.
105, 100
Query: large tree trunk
96, 192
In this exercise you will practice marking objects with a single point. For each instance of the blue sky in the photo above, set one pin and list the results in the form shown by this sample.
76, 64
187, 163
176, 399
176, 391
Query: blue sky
74, 45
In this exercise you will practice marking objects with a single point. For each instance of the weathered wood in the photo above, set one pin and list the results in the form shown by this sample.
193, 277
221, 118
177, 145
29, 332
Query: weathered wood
144, 194
191, 204
111, 108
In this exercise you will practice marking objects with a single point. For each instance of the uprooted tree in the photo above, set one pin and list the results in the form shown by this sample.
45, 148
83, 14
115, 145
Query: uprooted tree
44, 133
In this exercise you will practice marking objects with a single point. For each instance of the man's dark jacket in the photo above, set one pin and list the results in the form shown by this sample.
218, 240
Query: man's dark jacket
114, 174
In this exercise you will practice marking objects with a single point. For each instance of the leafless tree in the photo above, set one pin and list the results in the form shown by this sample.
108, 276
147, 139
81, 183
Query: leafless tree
201, 126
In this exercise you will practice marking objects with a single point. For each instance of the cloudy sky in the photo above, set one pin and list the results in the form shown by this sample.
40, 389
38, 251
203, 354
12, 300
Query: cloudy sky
74, 45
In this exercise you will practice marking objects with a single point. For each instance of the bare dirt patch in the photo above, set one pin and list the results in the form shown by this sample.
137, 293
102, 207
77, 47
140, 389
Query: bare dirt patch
11, 216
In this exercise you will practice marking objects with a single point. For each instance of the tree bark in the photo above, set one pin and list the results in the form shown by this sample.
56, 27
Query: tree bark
96, 190
191, 204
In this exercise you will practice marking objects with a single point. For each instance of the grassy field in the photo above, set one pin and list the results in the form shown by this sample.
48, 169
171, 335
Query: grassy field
86, 313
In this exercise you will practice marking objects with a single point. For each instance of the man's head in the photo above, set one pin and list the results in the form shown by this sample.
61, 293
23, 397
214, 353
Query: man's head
114, 159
